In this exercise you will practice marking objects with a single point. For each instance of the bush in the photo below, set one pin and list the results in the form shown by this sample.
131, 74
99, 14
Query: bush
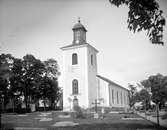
42, 109
19, 110
164, 116
65, 113
23, 110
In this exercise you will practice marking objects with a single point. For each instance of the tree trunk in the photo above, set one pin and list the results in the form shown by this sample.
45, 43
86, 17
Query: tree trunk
13, 103
44, 104
52, 105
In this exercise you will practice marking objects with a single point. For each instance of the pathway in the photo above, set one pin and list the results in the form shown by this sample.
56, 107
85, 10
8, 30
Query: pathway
162, 123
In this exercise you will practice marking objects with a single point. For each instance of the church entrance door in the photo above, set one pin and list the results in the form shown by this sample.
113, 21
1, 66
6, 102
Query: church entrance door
75, 102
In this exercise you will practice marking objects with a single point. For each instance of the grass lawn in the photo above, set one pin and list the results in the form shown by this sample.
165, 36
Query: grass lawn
110, 122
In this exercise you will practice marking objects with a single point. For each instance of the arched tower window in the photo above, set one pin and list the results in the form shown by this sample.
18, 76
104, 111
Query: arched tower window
91, 59
75, 86
74, 59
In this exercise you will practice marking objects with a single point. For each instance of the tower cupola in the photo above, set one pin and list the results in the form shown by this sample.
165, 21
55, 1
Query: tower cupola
79, 33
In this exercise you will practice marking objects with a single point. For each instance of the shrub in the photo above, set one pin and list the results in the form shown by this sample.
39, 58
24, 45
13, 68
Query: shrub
164, 116
65, 113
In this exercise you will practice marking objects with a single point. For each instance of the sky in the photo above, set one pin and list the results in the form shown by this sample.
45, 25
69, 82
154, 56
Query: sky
42, 27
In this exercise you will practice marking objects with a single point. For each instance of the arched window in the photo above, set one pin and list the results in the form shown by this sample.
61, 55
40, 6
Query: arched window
91, 59
74, 59
117, 98
75, 86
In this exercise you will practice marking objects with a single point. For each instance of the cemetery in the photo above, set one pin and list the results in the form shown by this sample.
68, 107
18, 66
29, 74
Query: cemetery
107, 79
78, 119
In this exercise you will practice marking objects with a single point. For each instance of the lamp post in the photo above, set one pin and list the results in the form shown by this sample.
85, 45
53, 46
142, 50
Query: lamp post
157, 112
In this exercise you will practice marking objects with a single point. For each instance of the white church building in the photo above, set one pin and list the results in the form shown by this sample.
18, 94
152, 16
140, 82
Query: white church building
81, 83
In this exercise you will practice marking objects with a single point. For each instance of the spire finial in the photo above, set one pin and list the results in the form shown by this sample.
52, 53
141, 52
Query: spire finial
79, 20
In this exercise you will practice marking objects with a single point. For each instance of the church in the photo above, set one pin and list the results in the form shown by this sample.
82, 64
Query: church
82, 85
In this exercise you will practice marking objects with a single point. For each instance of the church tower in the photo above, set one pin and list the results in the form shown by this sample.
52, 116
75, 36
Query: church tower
79, 71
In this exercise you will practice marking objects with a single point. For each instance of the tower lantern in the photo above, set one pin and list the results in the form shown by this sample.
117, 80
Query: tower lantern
79, 33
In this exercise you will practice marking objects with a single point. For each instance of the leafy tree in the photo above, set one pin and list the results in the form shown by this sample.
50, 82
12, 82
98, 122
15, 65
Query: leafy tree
16, 90
144, 15
49, 90
52, 68
157, 84
132, 95
144, 96
33, 71
3, 92
29, 79
52, 72
6, 63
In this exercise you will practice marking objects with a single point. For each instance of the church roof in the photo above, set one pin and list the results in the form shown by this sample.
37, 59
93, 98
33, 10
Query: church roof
78, 26
72, 45
110, 82
77, 45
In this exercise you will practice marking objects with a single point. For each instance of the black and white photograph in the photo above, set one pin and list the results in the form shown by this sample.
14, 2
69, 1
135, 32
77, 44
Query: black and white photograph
83, 65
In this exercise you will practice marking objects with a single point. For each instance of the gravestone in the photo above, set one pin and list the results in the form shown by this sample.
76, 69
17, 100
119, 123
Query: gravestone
96, 115
32, 107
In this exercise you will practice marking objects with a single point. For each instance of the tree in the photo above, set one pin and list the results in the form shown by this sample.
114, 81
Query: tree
28, 79
52, 68
157, 84
49, 90
144, 97
6, 63
16, 90
33, 70
52, 72
3, 92
144, 15
132, 95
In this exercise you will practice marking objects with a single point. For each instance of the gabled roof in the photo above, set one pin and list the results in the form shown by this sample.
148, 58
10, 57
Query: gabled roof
110, 82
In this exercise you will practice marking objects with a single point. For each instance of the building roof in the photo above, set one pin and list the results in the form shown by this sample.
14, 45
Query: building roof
73, 45
79, 26
77, 45
110, 82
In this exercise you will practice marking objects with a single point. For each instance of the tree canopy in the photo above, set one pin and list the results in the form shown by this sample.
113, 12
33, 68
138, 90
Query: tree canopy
144, 15
29, 79
157, 85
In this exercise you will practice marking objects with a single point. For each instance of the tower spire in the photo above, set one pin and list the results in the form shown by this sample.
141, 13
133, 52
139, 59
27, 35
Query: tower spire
79, 20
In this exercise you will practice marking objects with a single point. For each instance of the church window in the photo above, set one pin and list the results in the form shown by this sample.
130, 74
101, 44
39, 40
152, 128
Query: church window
91, 59
125, 98
112, 96
74, 59
121, 98
77, 35
117, 98
75, 86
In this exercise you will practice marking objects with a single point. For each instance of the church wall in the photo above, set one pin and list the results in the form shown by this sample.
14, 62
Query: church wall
79, 72
103, 92
118, 96
92, 72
